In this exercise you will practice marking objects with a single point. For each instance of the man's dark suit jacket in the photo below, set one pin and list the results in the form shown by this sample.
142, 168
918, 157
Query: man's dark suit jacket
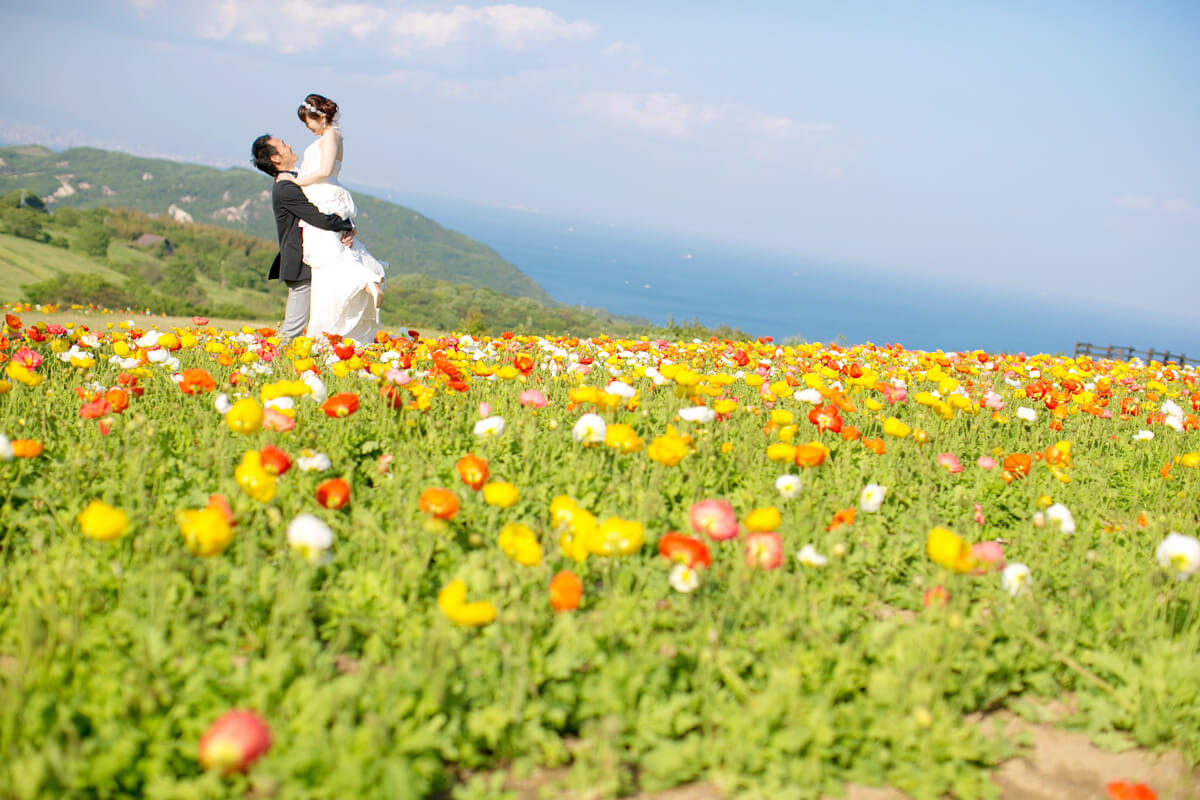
291, 206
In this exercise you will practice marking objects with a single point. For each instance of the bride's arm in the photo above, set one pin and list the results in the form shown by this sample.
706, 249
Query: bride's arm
328, 148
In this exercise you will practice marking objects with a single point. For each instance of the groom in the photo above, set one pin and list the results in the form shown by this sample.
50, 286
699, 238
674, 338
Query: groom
276, 158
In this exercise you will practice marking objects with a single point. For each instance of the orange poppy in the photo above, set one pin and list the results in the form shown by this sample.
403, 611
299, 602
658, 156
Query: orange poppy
26, 448
333, 493
1124, 790
850, 433
843, 517
117, 399
566, 590
1017, 465
440, 503
810, 455
196, 381
473, 471
876, 446
340, 405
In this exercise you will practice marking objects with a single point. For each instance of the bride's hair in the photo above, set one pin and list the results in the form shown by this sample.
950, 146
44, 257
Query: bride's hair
317, 108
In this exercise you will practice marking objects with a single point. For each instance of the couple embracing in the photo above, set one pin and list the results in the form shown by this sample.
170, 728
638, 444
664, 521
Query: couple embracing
334, 285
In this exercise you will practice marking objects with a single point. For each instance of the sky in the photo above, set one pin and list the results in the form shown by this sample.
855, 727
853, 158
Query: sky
1041, 147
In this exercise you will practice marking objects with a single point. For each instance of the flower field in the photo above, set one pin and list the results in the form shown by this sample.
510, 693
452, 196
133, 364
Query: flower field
230, 567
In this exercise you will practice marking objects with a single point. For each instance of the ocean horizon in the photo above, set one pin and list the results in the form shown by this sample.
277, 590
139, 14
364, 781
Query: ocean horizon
660, 276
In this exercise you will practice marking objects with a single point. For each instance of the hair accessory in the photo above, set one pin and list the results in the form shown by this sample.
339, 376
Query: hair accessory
312, 109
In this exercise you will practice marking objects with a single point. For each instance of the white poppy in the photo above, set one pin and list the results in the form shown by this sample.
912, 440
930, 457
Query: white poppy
6, 451
788, 486
1179, 554
1062, 515
221, 402
319, 392
684, 579
697, 414
621, 389
871, 497
489, 427
1015, 578
809, 557
311, 461
590, 429
1143, 436
311, 537
1027, 414
810, 396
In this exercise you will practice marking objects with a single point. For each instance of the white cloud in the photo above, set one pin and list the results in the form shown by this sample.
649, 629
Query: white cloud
513, 27
619, 48
777, 127
292, 26
1134, 201
658, 112
417, 80
1179, 207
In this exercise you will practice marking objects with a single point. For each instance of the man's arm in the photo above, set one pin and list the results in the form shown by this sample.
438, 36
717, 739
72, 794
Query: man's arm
292, 199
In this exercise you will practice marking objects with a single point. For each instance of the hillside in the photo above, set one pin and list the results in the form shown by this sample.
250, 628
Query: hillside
239, 199
121, 258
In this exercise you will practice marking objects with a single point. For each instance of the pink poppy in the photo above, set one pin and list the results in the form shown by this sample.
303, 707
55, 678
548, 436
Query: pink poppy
986, 462
533, 397
992, 400
764, 550
277, 421
714, 518
397, 376
30, 359
895, 394
950, 462
485, 410
989, 556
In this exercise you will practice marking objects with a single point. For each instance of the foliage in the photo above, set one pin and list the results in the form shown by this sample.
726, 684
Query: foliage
240, 200
776, 683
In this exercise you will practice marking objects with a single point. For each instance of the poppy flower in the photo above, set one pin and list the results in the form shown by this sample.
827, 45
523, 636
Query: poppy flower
473, 470
519, 543
311, 537
763, 519
95, 409
1124, 790
196, 381
117, 399
275, 420
1017, 465
333, 493
668, 449
340, 405
26, 448
683, 549
844, 517
102, 522
274, 460
714, 518
205, 531
234, 741
764, 550
253, 478
245, 416
501, 494
439, 503
876, 446
948, 549
812, 454
452, 600
935, 597
826, 418
566, 590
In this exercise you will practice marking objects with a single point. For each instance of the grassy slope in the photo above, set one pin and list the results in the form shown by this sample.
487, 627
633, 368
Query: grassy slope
409, 241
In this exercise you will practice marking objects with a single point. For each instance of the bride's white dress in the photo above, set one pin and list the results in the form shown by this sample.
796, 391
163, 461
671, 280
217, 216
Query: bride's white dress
340, 302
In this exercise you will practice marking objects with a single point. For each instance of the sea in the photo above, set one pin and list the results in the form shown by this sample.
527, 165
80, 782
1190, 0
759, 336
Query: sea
662, 276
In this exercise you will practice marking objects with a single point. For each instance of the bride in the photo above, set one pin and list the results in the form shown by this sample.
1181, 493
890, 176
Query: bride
347, 282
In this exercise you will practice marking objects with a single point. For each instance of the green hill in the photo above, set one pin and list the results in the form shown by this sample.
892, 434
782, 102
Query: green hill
240, 200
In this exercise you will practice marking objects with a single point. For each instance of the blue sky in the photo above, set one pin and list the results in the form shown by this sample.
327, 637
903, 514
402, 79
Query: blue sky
1039, 147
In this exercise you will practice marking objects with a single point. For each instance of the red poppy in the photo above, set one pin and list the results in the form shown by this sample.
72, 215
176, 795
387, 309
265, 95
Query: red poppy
12, 321
199, 320
392, 396
333, 493
524, 363
94, 409
566, 590
473, 470
196, 381
340, 405
343, 351
684, 549
440, 503
826, 418
274, 460
1124, 790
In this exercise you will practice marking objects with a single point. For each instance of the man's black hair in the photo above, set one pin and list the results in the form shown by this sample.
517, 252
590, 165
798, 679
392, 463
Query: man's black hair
261, 152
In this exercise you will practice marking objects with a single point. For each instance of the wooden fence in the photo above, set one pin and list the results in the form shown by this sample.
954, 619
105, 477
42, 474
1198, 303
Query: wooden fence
1125, 353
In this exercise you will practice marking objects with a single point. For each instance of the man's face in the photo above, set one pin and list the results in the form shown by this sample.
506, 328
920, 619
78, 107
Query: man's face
285, 158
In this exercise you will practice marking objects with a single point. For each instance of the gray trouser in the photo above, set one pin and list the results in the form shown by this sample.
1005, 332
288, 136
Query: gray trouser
295, 316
